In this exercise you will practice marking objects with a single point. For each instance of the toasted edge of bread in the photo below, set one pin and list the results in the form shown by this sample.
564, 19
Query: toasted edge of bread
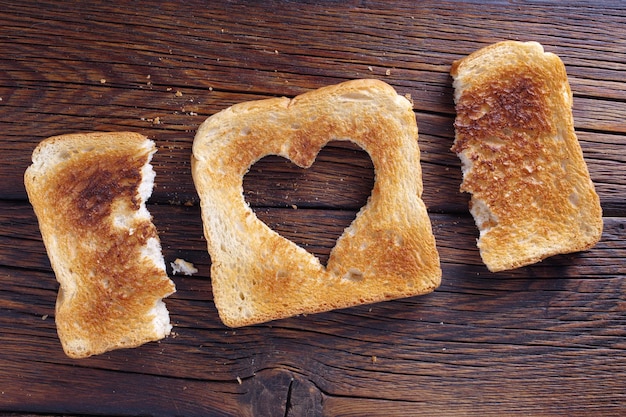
531, 193
387, 252
88, 191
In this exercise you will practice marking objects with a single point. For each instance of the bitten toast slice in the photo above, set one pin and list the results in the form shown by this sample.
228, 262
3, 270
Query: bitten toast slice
532, 196
88, 192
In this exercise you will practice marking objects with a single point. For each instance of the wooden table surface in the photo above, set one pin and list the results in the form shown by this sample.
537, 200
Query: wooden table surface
548, 339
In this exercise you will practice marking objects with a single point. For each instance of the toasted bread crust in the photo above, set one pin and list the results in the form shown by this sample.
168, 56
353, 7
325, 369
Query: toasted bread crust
532, 196
85, 189
387, 252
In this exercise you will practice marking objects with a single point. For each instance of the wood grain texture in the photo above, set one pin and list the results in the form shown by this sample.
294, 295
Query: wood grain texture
545, 340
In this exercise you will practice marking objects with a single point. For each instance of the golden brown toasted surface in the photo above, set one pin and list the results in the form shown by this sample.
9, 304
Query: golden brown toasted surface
87, 188
532, 196
387, 252
86, 192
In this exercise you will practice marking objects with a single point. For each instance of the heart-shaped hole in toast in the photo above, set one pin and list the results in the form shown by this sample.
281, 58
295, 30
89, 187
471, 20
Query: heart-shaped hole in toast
312, 206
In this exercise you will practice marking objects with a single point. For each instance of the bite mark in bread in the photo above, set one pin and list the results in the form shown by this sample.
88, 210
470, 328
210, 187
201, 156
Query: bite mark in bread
88, 192
532, 196
387, 252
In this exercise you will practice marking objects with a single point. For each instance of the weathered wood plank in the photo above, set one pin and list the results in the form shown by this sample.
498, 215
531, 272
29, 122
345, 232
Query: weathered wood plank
316, 230
440, 168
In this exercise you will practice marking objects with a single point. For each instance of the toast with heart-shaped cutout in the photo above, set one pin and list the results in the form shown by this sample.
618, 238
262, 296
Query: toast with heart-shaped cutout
387, 252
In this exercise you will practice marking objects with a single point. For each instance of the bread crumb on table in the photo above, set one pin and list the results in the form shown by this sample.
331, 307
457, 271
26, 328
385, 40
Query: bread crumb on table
183, 267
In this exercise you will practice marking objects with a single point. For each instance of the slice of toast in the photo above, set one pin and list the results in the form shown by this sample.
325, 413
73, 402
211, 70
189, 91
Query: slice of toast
387, 252
88, 192
532, 196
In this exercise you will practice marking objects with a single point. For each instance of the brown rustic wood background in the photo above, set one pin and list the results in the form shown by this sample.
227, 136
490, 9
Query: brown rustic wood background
548, 339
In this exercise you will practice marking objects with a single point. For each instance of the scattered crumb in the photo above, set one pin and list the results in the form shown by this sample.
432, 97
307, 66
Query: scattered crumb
182, 266
370, 69
276, 51
293, 206
388, 72
103, 80
374, 359
155, 121
408, 97
178, 93
210, 88
44, 317
168, 89
239, 380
